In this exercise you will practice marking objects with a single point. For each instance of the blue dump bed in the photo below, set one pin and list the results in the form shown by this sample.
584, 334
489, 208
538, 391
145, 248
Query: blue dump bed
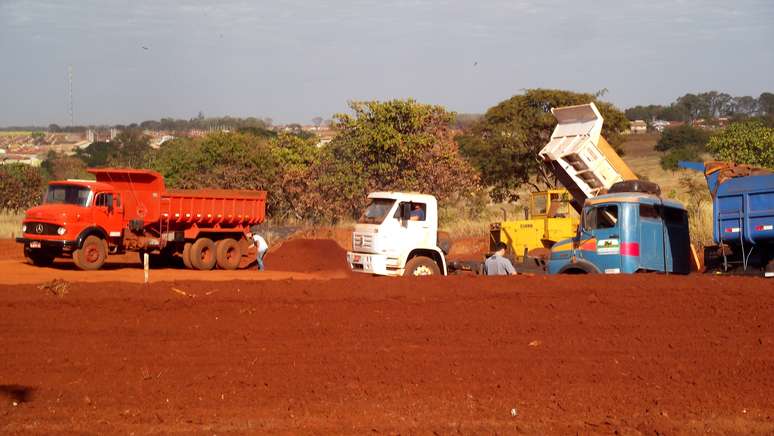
742, 205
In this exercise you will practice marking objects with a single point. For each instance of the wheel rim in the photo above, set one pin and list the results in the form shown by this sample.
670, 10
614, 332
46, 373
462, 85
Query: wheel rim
91, 253
206, 255
423, 270
231, 254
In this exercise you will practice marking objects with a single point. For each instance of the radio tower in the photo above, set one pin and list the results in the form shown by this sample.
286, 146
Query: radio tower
70, 81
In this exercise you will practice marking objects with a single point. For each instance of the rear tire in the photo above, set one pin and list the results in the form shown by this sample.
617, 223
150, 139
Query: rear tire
38, 257
187, 255
228, 254
92, 254
421, 266
202, 254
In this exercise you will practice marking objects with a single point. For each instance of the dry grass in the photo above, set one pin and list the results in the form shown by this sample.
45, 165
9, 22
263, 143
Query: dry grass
10, 224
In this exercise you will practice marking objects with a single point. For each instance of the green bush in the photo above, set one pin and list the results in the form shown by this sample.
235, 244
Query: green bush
749, 142
21, 186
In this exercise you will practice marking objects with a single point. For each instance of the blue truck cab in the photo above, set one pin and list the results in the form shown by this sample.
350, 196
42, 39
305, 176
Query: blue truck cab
626, 233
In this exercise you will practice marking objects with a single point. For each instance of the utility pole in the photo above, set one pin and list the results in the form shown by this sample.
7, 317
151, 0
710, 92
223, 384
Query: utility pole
70, 81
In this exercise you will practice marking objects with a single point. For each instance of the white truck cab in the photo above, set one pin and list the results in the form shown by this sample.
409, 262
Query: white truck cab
397, 235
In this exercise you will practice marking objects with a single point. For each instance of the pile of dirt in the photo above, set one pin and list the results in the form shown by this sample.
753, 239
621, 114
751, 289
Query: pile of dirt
9, 249
307, 255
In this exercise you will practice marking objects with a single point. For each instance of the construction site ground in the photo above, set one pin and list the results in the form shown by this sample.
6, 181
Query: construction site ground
308, 348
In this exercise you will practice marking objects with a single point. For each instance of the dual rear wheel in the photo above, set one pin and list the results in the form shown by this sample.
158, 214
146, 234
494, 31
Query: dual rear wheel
204, 254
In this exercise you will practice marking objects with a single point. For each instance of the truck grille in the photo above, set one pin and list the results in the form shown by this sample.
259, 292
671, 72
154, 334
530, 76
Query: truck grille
362, 241
36, 228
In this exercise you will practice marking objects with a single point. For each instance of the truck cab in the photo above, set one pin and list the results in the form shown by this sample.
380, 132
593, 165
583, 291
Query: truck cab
396, 235
72, 211
626, 233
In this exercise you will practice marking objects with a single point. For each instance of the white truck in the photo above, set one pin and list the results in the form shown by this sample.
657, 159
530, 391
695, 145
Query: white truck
397, 235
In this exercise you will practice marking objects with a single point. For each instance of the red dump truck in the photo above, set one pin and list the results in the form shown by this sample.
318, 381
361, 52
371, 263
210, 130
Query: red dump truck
131, 210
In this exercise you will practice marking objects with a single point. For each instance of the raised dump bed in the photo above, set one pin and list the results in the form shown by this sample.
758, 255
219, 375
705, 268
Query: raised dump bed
580, 157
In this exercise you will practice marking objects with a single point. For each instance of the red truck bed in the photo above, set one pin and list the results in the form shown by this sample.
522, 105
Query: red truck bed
145, 197
213, 206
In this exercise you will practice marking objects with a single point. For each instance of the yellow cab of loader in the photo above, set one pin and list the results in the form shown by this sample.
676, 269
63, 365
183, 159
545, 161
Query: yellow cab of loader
550, 219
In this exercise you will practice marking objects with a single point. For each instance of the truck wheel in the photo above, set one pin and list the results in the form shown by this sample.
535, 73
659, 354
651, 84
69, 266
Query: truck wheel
421, 266
187, 255
228, 254
39, 257
202, 254
92, 254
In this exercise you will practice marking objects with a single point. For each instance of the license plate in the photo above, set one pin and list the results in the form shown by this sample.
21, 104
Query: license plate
35, 244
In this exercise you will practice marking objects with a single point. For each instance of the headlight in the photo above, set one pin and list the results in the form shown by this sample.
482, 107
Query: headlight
61, 231
24, 228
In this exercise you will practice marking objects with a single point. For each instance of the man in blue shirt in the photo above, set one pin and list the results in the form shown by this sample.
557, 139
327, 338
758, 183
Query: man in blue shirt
417, 214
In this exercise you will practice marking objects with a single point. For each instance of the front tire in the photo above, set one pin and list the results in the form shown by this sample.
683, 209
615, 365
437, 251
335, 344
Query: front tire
421, 266
92, 254
202, 254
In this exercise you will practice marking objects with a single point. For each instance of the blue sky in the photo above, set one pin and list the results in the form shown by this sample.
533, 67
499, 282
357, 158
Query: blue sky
294, 60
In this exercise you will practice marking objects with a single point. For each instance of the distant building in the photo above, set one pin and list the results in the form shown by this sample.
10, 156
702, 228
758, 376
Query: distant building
27, 159
660, 125
638, 126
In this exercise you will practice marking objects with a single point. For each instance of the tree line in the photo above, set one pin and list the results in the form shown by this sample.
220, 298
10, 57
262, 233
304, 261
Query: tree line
399, 145
706, 105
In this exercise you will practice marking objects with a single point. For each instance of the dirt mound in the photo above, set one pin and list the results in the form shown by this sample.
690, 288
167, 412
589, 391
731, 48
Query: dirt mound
9, 249
307, 255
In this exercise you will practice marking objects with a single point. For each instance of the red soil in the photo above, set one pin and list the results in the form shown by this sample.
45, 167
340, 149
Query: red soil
308, 256
643, 354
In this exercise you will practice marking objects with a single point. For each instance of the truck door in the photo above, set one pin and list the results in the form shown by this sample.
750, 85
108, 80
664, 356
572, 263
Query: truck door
415, 229
109, 213
600, 241
651, 238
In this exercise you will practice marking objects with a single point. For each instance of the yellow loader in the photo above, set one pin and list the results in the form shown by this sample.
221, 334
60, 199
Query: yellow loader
550, 219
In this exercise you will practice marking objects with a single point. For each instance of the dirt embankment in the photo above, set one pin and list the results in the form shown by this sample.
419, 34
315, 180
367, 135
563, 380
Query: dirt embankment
642, 354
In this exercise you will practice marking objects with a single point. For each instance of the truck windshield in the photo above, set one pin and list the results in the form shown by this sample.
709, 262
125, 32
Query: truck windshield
376, 210
68, 194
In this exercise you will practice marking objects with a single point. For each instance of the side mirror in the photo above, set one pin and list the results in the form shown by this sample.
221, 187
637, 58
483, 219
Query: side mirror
405, 211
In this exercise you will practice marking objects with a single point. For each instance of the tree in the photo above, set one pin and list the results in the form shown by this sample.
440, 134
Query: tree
647, 113
504, 144
682, 136
766, 103
399, 145
317, 121
219, 160
132, 149
746, 105
21, 186
749, 142
693, 106
59, 166
97, 153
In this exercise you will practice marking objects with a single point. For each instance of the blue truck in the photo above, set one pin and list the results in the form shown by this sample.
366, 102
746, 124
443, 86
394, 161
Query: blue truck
742, 217
626, 232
